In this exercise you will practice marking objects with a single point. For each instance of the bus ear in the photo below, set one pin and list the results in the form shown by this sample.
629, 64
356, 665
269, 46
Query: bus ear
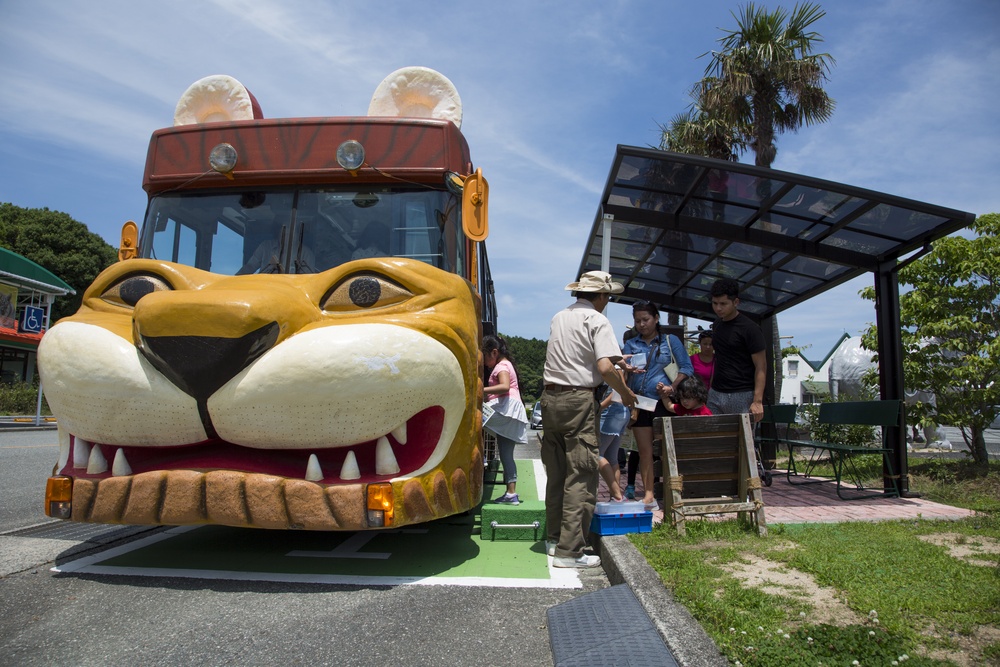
216, 98
417, 92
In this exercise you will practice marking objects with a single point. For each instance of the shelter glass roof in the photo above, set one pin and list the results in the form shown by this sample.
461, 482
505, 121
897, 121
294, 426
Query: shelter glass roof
679, 222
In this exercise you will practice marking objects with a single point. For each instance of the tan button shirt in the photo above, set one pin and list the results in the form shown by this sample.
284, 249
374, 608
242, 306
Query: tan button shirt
578, 337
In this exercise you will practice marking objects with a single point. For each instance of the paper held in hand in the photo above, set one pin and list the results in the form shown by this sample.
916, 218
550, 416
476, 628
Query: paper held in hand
487, 413
644, 403
638, 360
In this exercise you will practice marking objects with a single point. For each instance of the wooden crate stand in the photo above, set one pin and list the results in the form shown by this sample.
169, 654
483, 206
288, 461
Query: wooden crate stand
711, 468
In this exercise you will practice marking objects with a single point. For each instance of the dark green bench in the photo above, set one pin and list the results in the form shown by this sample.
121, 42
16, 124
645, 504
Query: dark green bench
841, 455
780, 419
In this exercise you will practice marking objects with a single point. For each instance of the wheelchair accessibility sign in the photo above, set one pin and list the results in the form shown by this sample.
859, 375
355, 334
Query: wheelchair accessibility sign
32, 319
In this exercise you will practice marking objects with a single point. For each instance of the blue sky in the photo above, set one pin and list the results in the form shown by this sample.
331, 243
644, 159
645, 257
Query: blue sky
549, 89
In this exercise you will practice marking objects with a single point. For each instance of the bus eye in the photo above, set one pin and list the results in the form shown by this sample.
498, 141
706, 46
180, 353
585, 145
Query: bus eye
364, 291
127, 291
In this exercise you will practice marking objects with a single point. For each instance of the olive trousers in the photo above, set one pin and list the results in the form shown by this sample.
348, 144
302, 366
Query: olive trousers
569, 454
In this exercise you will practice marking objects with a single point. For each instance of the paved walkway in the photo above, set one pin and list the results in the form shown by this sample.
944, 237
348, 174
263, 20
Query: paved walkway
814, 503
819, 503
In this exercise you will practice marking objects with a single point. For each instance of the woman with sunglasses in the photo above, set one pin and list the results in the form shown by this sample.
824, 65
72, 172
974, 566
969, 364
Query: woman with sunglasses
660, 351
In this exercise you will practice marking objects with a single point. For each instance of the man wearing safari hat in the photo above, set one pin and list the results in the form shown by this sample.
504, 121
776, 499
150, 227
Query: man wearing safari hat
582, 353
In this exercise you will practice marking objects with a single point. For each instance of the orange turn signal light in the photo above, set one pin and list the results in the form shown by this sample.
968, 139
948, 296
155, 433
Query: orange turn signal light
59, 497
380, 505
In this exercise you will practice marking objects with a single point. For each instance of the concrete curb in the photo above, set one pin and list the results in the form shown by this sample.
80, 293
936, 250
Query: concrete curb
686, 639
22, 428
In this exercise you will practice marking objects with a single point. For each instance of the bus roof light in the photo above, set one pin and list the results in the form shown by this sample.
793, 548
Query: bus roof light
223, 159
351, 155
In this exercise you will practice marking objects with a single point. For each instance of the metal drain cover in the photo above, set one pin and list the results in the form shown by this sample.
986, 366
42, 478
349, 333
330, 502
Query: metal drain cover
95, 533
607, 627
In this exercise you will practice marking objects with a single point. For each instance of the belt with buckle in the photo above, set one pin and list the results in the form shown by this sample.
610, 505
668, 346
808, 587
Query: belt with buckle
563, 387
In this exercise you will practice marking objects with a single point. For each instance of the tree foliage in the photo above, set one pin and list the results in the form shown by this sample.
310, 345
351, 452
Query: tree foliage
59, 244
529, 355
950, 322
698, 132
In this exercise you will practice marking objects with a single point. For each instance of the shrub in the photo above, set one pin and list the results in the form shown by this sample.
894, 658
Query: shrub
20, 398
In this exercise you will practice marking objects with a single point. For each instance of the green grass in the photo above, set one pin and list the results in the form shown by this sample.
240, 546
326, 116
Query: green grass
908, 596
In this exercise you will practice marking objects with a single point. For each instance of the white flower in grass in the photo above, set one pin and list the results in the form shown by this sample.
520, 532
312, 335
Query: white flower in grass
802, 614
875, 621
732, 629
872, 614
809, 639
787, 636
855, 662
894, 663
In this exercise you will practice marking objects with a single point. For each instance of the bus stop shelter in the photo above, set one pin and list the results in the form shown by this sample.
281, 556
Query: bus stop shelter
669, 225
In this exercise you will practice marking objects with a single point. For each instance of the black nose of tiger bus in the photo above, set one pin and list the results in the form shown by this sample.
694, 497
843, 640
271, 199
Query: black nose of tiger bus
199, 365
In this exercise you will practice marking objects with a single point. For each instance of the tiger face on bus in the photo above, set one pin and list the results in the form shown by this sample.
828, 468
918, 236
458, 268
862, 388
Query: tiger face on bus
271, 401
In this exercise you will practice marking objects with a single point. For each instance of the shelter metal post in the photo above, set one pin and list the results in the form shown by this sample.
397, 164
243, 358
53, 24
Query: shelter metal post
606, 248
890, 363
769, 449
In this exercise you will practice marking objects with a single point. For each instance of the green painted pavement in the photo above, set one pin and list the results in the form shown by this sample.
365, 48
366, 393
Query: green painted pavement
449, 549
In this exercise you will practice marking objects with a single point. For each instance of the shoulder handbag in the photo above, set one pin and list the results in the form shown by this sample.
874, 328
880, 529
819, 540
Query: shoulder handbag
671, 369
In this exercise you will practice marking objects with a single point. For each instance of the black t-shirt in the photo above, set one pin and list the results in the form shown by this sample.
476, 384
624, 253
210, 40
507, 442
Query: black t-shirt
734, 341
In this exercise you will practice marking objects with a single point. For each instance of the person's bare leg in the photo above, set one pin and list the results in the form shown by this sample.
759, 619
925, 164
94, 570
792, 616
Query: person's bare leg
644, 442
609, 477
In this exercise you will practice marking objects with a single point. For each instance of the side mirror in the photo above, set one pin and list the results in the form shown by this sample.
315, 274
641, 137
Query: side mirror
475, 194
129, 247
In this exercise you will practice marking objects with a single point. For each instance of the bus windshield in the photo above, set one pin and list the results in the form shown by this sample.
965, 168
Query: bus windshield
303, 230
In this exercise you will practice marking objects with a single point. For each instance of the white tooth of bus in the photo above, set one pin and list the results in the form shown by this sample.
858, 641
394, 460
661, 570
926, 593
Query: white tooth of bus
97, 463
399, 433
350, 468
81, 453
385, 460
120, 467
64, 448
313, 472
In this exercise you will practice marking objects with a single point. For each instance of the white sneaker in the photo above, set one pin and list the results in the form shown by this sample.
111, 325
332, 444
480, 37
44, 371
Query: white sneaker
550, 548
582, 561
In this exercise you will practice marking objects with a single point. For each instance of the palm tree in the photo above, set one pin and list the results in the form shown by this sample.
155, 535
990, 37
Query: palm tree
698, 132
766, 77
766, 80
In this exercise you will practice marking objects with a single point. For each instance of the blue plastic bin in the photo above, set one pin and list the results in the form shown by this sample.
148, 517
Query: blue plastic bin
619, 524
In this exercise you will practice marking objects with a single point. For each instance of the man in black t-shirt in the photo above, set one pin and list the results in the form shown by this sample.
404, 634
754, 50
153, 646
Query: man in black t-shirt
740, 356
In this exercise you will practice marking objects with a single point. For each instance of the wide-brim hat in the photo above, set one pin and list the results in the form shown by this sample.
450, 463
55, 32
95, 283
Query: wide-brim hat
596, 281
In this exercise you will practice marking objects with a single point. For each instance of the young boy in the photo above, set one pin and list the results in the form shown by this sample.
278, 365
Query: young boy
691, 395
